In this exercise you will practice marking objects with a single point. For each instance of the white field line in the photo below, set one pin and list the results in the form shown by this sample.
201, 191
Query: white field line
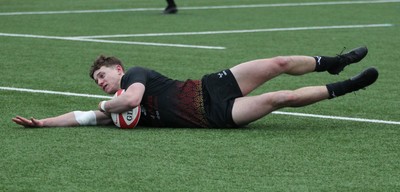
238, 31
292, 4
202, 8
110, 41
54, 92
275, 112
337, 118
93, 38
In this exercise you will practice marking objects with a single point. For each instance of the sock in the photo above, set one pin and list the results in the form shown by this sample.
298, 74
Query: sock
324, 62
339, 88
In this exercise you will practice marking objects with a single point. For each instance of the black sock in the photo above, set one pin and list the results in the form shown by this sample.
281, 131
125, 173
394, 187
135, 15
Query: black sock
324, 62
339, 88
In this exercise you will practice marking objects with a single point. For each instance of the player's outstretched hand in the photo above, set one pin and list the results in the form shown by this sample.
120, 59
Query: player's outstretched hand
32, 122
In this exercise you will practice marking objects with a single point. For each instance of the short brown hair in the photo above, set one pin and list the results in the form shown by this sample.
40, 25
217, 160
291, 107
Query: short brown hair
104, 61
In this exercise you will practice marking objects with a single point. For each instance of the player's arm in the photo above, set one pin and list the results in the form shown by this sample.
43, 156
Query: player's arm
71, 119
131, 98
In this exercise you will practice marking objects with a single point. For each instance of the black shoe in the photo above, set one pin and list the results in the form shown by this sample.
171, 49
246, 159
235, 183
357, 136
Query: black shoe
170, 10
352, 56
364, 79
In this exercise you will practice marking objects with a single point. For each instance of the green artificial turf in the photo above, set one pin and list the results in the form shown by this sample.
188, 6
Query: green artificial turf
275, 153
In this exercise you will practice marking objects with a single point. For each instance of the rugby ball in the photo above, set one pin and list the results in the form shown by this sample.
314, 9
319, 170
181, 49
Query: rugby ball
128, 119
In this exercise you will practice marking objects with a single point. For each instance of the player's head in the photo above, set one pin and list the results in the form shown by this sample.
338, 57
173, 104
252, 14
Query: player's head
107, 73
104, 61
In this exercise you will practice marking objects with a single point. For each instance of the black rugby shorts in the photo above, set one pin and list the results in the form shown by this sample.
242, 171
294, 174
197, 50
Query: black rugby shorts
220, 91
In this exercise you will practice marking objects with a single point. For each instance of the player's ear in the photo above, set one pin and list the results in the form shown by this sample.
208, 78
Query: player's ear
120, 69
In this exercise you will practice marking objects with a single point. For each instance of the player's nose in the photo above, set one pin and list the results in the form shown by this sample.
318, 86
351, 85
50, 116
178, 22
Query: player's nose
100, 82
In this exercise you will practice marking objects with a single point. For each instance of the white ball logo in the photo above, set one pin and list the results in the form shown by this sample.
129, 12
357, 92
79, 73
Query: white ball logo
128, 119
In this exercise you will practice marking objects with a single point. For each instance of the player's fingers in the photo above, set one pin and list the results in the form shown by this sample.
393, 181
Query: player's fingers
27, 122
22, 121
16, 120
19, 119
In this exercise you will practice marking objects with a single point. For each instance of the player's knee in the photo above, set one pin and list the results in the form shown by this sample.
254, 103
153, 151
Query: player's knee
282, 62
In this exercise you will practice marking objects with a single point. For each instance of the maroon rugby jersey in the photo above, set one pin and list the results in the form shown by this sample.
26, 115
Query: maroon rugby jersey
167, 102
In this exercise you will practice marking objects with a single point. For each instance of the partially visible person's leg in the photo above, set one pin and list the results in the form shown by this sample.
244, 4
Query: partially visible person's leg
171, 7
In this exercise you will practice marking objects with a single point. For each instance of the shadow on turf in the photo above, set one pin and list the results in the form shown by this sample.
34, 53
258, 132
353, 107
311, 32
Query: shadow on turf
269, 125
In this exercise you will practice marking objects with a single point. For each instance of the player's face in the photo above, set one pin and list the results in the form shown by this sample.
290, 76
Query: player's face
108, 78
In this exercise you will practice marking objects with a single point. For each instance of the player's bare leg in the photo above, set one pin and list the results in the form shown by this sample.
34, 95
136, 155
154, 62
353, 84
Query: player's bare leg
250, 108
252, 74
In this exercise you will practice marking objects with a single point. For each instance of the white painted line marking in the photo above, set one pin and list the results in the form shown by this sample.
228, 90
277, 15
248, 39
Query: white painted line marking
291, 4
337, 118
54, 92
275, 112
202, 8
79, 11
109, 41
93, 38
239, 31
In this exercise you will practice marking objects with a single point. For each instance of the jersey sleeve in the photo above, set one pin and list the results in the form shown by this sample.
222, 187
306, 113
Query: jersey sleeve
134, 75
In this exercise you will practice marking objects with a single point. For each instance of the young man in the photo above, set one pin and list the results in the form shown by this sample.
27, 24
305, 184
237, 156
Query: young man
217, 100
171, 7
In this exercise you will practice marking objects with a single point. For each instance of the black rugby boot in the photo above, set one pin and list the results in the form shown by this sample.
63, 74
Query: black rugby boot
171, 7
170, 10
360, 81
352, 56
364, 79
